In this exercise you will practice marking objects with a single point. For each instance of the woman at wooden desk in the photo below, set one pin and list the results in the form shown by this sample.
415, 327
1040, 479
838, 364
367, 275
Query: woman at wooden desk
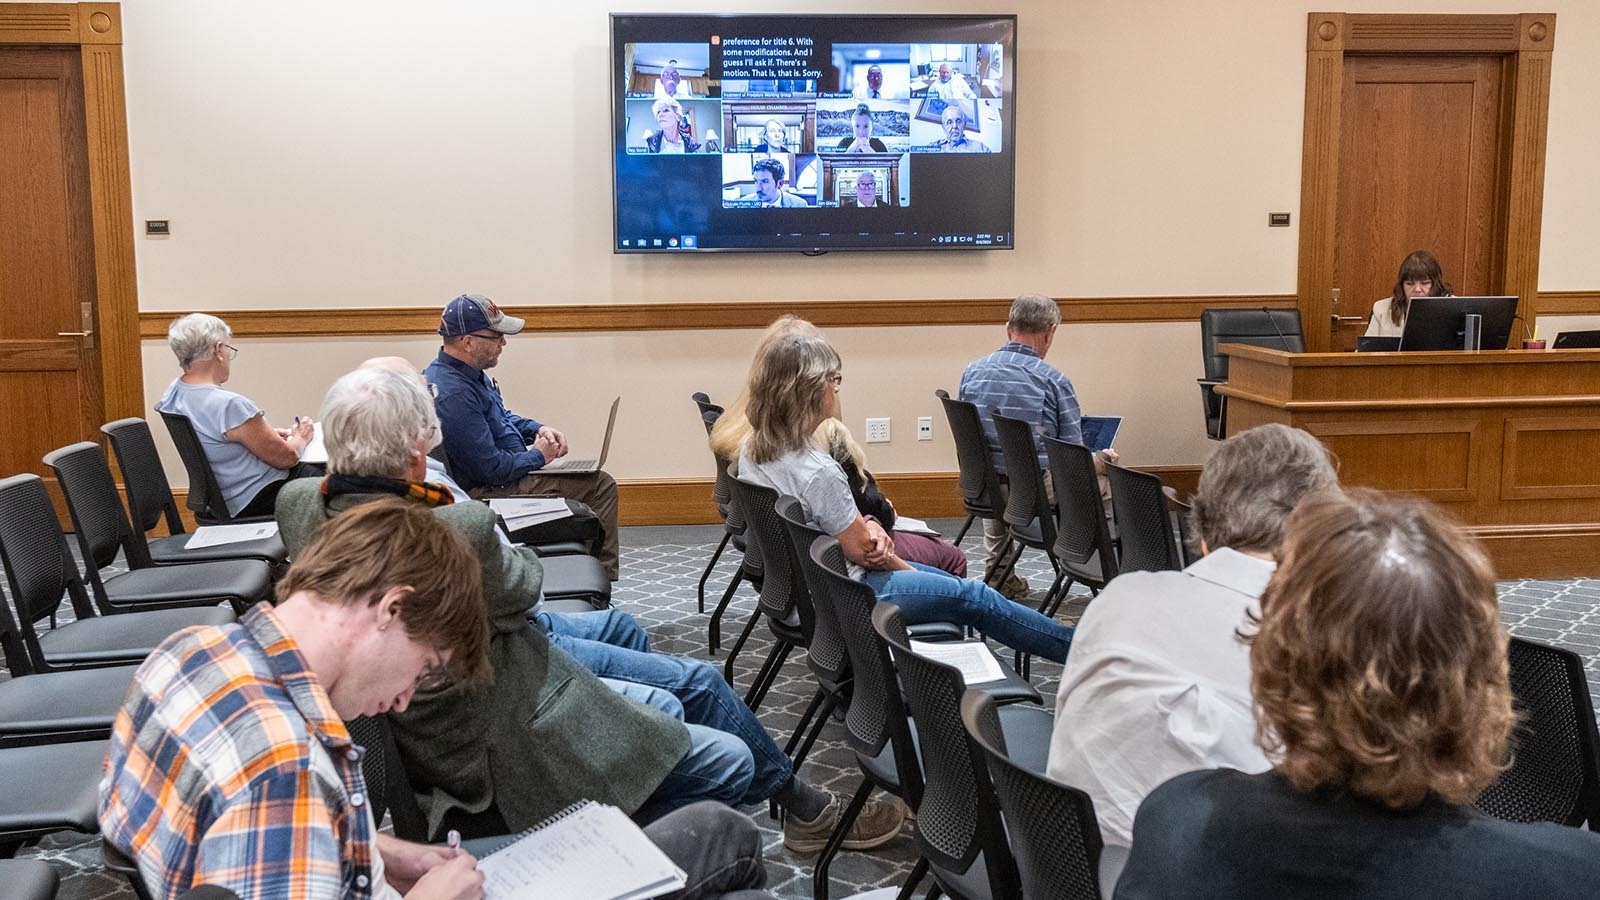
1419, 277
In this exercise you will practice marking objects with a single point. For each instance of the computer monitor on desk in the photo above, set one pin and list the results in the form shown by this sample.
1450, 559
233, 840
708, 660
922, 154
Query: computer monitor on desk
1440, 323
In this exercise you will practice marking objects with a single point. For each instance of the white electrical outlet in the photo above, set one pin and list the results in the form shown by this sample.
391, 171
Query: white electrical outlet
924, 428
878, 430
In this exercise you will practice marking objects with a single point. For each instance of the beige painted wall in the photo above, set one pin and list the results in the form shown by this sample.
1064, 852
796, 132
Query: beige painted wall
346, 154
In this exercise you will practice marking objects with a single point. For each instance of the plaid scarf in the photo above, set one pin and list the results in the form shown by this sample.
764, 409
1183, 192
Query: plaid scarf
424, 492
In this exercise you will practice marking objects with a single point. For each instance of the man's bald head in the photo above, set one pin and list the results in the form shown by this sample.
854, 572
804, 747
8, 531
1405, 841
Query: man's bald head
397, 364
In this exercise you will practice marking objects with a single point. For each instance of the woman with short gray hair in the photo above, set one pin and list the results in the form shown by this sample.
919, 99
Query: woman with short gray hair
249, 458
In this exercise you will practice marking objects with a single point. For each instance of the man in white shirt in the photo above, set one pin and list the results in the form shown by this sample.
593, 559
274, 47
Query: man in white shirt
1158, 682
950, 85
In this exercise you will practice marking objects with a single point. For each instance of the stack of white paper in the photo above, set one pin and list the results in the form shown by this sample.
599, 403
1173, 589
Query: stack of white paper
973, 658
217, 535
316, 451
520, 512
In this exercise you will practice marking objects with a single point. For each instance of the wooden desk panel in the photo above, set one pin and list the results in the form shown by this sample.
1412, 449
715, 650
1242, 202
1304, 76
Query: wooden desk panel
1508, 441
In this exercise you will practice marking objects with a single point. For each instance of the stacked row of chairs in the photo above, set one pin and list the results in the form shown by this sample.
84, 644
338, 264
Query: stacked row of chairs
68, 679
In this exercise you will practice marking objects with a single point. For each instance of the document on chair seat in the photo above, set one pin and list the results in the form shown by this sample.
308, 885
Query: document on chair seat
520, 512
915, 526
977, 664
589, 851
316, 451
217, 535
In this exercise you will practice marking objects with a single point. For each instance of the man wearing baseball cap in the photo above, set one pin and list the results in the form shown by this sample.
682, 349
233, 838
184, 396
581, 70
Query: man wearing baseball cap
494, 452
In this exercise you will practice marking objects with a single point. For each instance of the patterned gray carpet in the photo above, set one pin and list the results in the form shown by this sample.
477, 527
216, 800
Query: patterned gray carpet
660, 569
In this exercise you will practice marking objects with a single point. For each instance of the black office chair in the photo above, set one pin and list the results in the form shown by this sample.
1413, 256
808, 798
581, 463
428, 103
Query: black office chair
959, 829
1083, 545
751, 567
1051, 827
1261, 327
1149, 540
48, 788
1029, 516
721, 494
40, 571
205, 496
388, 788
825, 654
102, 529
982, 494
1555, 772
55, 707
784, 603
877, 729
150, 502
29, 879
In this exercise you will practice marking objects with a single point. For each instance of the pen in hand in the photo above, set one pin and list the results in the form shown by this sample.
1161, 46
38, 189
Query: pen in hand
453, 841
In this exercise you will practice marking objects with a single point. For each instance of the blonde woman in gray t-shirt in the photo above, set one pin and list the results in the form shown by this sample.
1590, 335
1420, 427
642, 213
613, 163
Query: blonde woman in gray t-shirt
792, 388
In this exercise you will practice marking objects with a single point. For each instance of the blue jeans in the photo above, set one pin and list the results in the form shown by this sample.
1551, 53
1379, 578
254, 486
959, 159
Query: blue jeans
926, 594
607, 643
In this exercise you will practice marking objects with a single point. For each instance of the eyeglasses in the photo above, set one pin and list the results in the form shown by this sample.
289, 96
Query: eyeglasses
836, 378
234, 349
436, 677
495, 336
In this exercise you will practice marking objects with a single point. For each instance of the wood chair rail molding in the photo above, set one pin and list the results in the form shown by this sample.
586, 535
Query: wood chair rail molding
96, 29
578, 317
412, 320
1525, 39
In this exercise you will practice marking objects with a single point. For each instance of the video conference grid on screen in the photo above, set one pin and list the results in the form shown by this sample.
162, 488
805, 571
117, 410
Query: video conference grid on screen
813, 133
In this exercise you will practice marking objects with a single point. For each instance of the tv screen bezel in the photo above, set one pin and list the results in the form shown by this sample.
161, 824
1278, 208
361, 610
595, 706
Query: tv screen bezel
619, 99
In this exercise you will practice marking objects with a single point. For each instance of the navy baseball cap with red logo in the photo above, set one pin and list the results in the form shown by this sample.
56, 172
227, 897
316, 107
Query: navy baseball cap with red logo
475, 312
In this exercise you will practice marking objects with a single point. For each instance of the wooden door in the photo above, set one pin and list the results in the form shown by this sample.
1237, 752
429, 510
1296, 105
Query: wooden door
1420, 167
1421, 131
50, 379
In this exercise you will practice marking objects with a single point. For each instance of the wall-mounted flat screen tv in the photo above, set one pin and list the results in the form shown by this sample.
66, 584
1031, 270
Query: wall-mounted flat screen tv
813, 133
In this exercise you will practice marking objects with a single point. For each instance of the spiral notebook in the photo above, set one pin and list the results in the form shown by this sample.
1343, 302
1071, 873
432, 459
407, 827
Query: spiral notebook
588, 851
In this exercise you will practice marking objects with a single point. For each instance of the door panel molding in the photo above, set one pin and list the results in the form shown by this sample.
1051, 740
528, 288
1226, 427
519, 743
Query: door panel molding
1526, 40
96, 29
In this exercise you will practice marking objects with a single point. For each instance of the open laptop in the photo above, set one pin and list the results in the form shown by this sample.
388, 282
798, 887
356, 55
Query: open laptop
566, 465
1100, 431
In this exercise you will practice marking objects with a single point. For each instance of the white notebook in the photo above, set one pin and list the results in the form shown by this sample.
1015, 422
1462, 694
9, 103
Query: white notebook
589, 851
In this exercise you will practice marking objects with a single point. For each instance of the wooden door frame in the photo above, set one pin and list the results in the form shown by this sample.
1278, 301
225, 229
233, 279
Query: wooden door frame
96, 30
1526, 40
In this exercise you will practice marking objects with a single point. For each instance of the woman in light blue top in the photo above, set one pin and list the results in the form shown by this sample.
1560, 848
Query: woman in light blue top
250, 459
791, 390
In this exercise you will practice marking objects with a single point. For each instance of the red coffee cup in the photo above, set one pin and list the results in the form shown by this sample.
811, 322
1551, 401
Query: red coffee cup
1536, 344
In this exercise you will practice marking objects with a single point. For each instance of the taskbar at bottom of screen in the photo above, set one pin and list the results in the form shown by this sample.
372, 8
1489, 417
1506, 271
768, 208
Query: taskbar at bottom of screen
800, 241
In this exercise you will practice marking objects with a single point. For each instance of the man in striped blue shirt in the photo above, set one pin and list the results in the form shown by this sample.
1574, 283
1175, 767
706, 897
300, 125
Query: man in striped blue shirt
1018, 382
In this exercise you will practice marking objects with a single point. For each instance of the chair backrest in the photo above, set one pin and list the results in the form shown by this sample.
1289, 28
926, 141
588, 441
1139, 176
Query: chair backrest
958, 819
877, 714
1278, 328
981, 494
826, 654
1144, 527
1554, 774
39, 569
205, 497
709, 412
144, 478
98, 518
388, 788
1052, 828
1188, 544
1081, 528
1027, 501
783, 588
